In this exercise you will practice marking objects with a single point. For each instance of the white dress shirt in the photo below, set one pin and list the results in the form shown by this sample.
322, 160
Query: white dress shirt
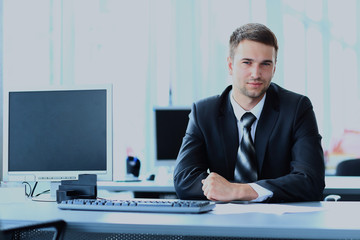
262, 192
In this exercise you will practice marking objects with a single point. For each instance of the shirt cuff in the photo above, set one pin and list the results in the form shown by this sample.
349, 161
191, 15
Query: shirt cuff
262, 192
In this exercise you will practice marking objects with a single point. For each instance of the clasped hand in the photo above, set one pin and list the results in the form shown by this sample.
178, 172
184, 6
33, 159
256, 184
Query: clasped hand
217, 188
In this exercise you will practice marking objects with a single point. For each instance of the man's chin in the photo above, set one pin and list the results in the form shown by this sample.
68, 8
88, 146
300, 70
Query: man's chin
255, 94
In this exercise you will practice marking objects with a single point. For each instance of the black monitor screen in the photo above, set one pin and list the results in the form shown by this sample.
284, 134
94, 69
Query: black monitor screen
57, 130
170, 125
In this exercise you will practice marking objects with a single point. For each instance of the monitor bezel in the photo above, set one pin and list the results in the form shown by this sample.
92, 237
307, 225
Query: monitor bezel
11, 176
164, 162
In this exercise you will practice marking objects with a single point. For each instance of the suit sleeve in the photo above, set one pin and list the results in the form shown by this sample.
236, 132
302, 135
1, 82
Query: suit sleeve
305, 181
191, 166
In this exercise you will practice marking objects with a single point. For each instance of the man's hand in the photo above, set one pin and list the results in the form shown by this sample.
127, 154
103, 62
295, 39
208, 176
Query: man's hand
217, 188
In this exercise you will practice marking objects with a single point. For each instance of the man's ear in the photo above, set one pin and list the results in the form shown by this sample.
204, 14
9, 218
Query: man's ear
230, 65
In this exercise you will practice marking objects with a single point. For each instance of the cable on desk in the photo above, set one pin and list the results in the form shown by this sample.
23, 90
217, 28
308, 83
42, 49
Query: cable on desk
31, 192
43, 192
27, 184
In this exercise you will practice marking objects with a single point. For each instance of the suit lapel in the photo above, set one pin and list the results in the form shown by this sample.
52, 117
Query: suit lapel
227, 126
268, 118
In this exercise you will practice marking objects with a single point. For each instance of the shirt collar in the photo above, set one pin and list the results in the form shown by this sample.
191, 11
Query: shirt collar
239, 111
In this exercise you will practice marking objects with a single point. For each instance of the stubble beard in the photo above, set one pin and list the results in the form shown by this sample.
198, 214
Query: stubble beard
254, 94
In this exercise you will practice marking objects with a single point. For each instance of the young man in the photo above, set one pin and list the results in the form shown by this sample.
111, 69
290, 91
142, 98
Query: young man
287, 156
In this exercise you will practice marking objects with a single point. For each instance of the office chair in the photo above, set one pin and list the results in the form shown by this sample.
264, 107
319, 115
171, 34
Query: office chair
350, 167
53, 230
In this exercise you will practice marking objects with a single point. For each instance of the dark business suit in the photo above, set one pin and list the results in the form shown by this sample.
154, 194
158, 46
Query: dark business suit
287, 143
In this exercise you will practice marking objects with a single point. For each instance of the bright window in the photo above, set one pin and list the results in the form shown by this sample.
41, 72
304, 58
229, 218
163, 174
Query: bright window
147, 47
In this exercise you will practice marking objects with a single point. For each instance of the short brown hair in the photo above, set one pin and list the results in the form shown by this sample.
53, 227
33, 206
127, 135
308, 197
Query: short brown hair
255, 32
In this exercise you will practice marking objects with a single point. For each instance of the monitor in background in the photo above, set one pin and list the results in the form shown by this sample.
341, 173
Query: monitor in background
57, 134
170, 128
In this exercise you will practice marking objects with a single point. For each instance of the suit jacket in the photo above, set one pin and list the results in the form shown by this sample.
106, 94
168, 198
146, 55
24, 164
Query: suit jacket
287, 143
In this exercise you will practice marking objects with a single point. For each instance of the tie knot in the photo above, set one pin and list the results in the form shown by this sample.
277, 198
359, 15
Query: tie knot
248, 118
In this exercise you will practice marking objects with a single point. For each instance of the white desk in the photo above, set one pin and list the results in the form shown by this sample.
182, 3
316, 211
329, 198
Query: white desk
330, 220
141, 186
332, 182
141, 189
346, 186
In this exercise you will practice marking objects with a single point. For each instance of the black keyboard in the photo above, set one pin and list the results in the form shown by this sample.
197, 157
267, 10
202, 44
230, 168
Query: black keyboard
170, 206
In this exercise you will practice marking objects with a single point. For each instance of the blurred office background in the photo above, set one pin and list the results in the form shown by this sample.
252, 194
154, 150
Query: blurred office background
147, 47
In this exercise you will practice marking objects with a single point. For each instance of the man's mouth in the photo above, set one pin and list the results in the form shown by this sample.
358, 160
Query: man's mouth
255, 83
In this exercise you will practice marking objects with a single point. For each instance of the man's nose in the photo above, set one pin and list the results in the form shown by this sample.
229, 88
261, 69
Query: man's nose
255, 71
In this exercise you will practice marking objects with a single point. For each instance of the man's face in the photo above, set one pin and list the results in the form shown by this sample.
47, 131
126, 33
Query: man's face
252, 69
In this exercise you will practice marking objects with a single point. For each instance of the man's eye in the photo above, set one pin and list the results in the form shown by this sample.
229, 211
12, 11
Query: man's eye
246, 62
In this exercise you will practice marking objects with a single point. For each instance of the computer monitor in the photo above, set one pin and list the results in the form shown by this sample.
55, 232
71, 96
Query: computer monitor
53, 134
170, 128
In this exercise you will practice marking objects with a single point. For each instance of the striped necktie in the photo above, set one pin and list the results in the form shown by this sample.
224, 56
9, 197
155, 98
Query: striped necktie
246, 164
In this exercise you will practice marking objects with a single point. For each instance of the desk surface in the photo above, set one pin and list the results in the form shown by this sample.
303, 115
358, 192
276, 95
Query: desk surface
316, 220
140, 186
333, 184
